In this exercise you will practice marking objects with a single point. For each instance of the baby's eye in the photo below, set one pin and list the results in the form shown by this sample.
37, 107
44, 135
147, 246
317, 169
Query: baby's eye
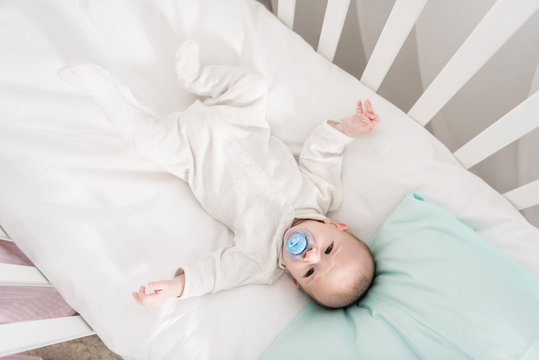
328, 250
310, 272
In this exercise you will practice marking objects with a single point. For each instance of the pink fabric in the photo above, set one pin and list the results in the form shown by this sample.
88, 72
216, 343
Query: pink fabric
22, 303
10, 254
21, 357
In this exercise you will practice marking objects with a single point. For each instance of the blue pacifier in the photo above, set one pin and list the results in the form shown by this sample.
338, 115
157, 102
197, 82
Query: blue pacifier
297, 242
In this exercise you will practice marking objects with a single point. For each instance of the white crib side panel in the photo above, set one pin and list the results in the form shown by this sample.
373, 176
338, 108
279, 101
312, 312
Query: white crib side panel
332, 27
21, 275
3, 235
524, 196
286, 10
26, 335
400, 22
22, 336
510, 127
496, 27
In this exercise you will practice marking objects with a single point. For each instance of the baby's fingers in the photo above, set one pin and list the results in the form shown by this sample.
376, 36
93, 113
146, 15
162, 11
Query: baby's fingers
141, 299
147, 299
374, 121
368, 107
359, 107
139, 296
370, 112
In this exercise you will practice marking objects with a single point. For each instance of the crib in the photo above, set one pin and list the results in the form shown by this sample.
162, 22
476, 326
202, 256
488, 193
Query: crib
503, 19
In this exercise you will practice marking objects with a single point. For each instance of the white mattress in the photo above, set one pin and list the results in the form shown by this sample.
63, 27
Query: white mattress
99, 220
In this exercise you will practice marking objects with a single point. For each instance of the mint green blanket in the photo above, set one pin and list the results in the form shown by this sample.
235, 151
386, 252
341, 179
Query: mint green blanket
440, 292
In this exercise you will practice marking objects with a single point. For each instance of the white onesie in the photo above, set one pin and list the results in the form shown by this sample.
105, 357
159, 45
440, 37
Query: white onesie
241, 175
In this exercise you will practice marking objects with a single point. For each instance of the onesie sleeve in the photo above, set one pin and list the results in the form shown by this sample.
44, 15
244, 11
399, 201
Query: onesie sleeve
224, 269
320, 161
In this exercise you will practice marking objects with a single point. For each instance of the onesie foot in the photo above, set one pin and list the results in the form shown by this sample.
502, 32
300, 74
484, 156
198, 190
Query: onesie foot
187, 62
98, 82
87, 77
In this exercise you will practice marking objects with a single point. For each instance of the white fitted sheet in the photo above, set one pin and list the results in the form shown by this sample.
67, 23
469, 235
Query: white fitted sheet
99, 220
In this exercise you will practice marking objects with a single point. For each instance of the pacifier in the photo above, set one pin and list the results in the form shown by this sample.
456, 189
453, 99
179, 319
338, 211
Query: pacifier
297, 242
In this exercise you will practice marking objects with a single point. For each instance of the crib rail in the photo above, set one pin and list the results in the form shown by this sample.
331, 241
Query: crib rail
503, 19
3, 235
286, 11
332, 27
400, 22
21, 275
525, 196
512, 126
27, 335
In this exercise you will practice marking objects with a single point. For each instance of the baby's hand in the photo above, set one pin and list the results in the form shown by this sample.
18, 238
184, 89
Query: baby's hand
163, 290
363, 121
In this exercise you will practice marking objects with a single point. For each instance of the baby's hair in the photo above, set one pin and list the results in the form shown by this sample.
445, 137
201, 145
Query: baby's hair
356, 289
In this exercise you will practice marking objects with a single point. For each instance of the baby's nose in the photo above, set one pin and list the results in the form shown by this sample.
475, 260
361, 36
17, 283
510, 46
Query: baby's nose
311, 255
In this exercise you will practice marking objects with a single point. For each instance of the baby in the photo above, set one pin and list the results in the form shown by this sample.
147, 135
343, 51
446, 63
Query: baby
248, 180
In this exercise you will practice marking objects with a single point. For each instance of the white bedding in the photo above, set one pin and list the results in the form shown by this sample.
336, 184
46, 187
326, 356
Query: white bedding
99, 220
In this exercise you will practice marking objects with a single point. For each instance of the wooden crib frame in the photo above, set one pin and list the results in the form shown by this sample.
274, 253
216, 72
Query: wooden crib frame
497, 26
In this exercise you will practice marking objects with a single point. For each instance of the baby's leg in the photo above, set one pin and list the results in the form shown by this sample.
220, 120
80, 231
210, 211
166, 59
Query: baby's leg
238, 88
156, 138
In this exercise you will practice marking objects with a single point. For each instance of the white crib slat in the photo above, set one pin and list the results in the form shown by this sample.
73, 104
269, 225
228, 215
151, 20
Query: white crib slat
501, 21
21, 275
286, 10
332, 27
3, 235
398, 25
525, 196
27, 335
510, 127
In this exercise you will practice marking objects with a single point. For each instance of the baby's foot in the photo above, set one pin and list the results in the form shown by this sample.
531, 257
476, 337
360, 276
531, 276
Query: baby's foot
87, 77
97, 82
187, 62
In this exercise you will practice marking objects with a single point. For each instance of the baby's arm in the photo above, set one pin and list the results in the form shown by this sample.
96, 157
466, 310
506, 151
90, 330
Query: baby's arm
321, 157
220, 270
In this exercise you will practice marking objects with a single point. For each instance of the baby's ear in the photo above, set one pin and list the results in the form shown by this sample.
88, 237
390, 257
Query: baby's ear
336, 224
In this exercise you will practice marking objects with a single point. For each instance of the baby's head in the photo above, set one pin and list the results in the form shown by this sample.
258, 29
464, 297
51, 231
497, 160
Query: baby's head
337, 270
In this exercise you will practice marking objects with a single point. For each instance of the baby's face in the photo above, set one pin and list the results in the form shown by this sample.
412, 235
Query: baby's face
335, 254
